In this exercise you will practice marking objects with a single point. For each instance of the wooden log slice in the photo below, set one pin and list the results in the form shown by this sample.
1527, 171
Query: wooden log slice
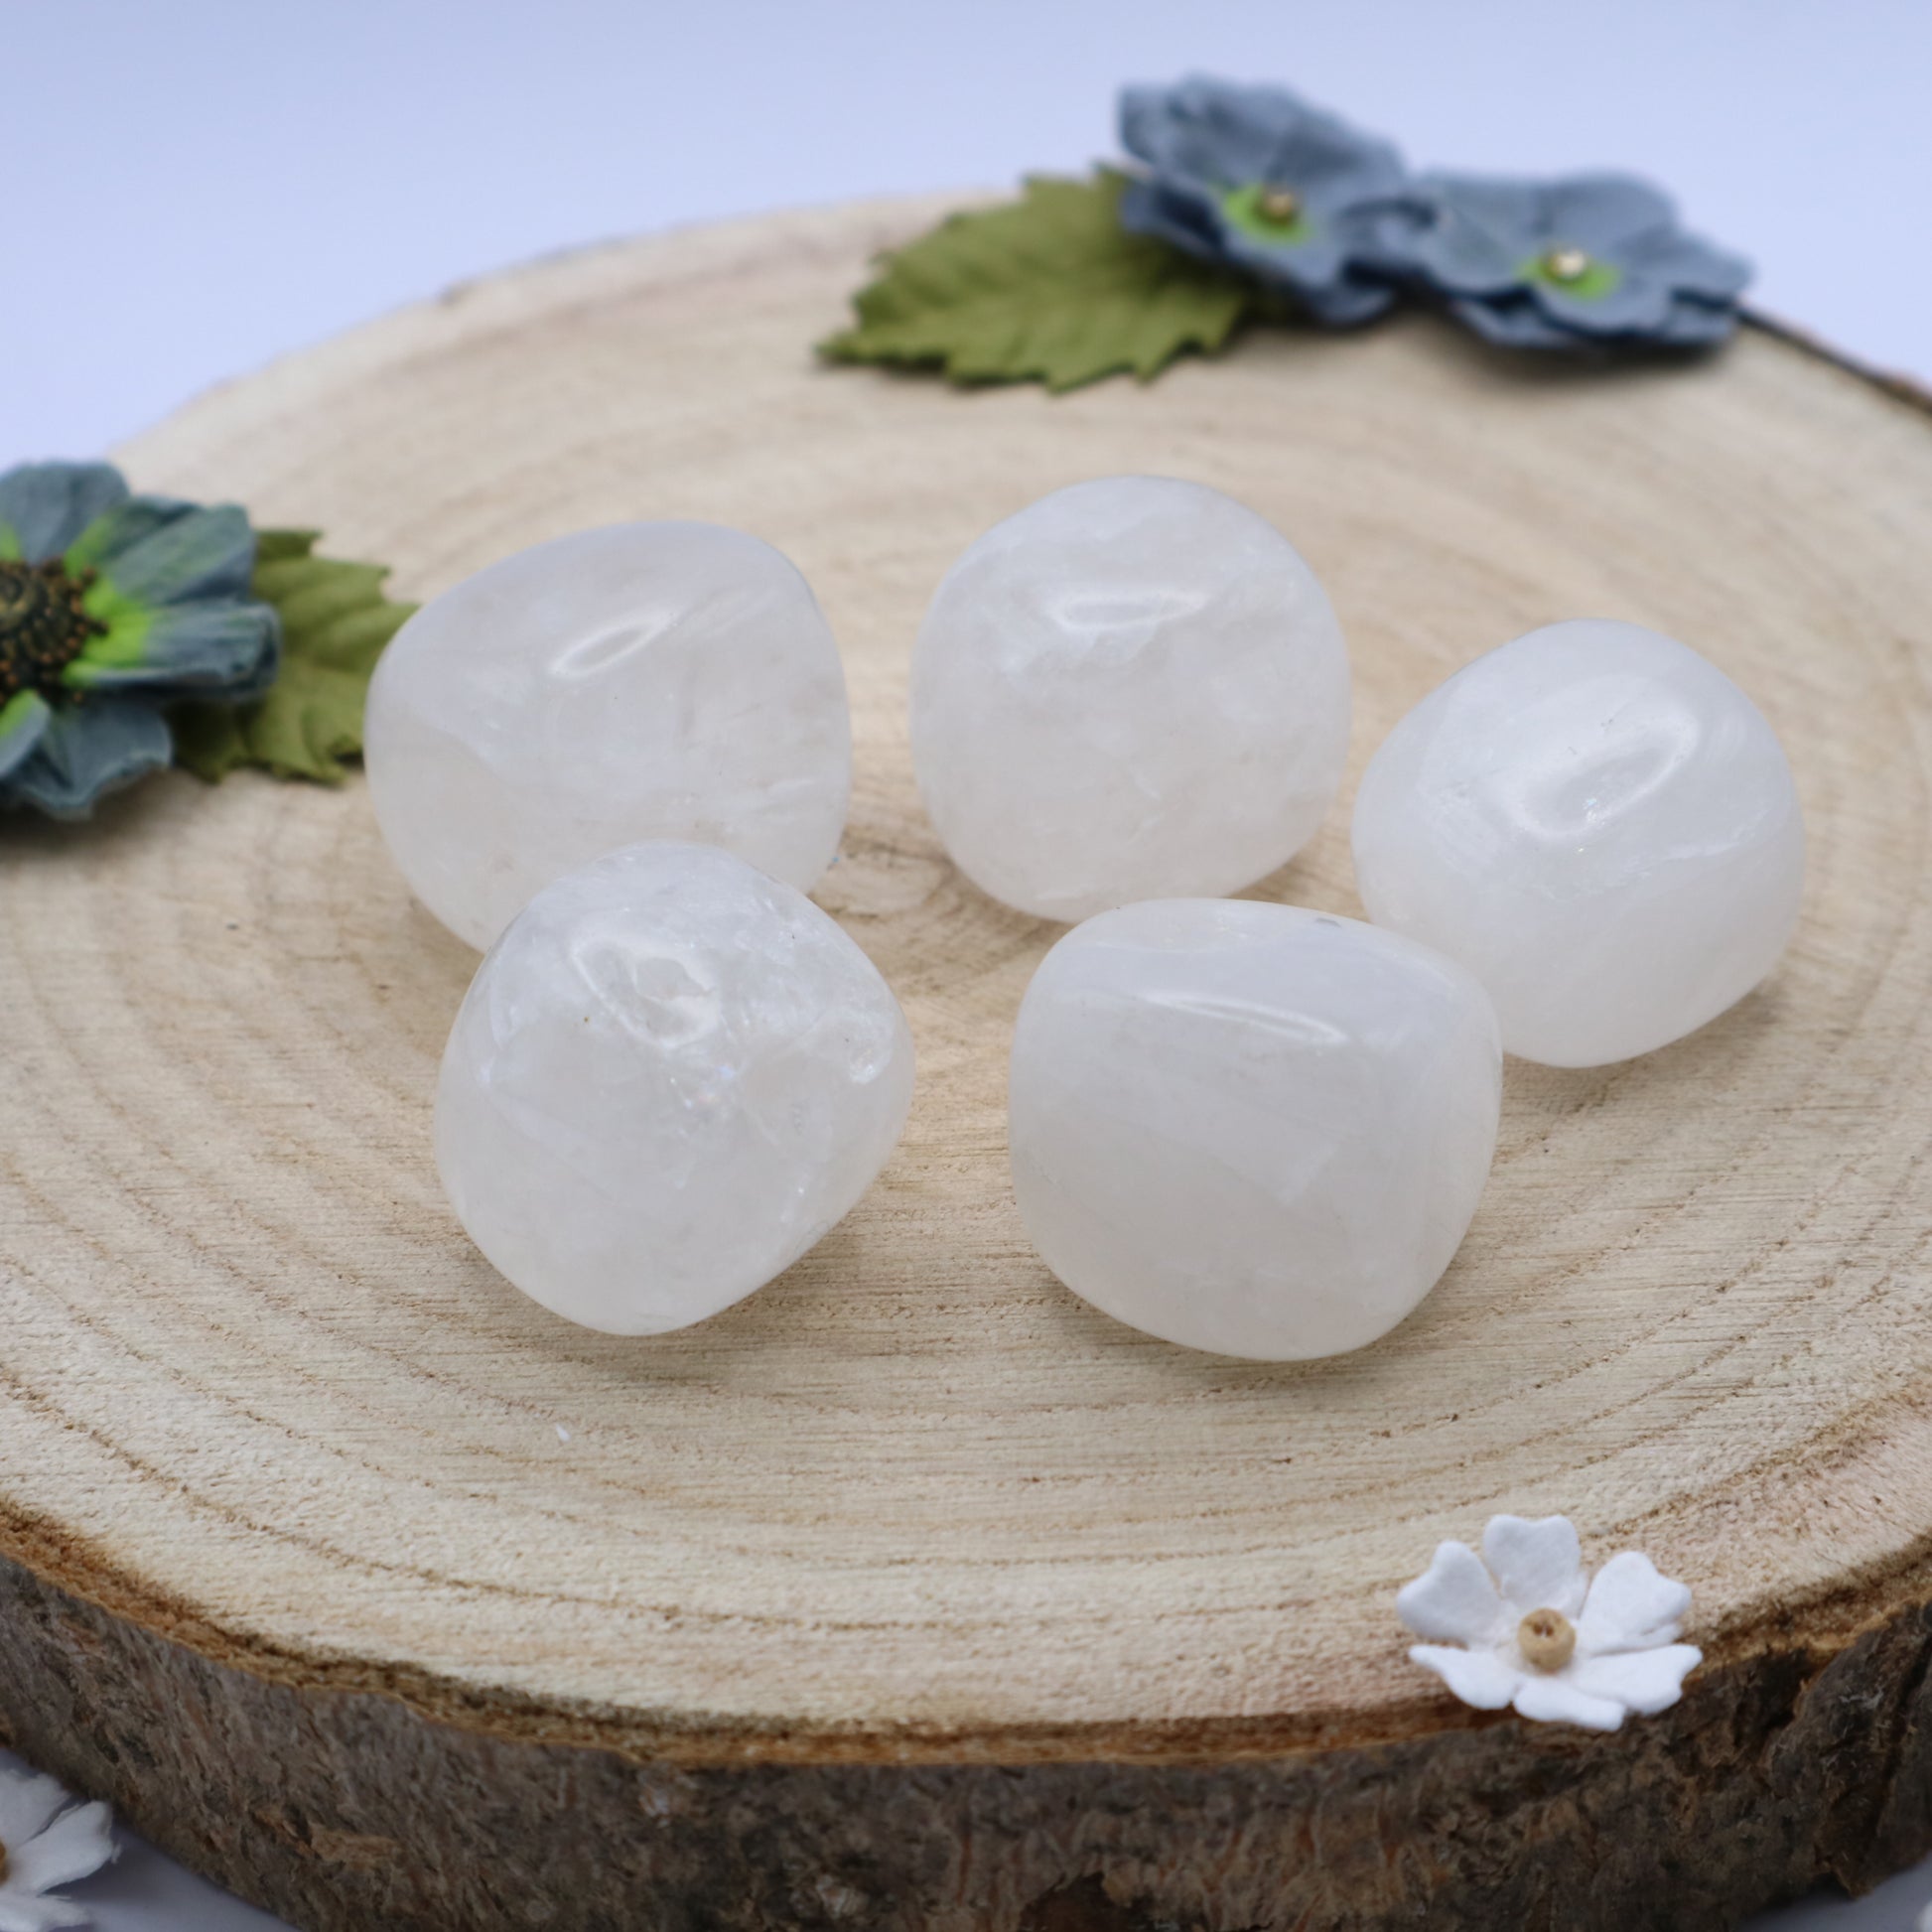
911, 1593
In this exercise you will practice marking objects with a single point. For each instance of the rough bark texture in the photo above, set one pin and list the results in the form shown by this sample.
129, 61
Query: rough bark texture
347, 1811
911, 1592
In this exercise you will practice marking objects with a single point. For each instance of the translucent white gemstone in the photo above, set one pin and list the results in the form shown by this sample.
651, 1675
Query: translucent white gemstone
1601, 826
1135, 688
670, 1077
645, 681
1252, 1129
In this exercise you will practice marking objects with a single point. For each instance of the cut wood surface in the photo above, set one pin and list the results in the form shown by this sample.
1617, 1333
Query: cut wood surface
912, 1592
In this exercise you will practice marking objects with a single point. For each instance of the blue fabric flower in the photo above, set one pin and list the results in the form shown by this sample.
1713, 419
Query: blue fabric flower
113, 607
1552, 264
1258, 179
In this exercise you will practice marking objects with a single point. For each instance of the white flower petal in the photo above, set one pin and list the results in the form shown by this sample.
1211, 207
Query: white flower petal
27, 1802
1477, 1677
1630, 1606
1538, 1566
1643, 1680
1556, 1700
75, 1844
21, 1911
1452, 1600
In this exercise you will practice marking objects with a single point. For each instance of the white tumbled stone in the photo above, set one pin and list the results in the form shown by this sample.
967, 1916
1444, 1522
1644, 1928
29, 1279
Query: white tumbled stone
671, 1077
1248, 1128
1601, 826
1135, 688
644, 681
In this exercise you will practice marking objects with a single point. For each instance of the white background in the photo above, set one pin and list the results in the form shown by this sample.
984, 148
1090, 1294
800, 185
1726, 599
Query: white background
189, 188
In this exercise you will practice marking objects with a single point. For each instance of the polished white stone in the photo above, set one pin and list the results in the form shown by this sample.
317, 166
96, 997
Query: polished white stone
1135, 688
644, 681
670, 1077
1601, 826
1253, 1128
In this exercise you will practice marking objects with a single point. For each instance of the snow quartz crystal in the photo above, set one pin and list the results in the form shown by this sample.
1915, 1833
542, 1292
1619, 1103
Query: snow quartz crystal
1251, 1128
644, 681
1134, 689
669, 1079
1601, 826
46, 1841
1537, 1633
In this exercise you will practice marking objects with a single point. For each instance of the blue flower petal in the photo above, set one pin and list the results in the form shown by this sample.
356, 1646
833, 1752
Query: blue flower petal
1482, 242
1696, 324
1348, 300
1332, 167
23, 718
1637, 306
1688, 264
156, 551
48, 504
1603, 212
87, 750
1182, 218
119, 528
227, 647
1220, 135
1207, 132
1387, 234
1471, 234
1515, 320
1317, 275
1302, 269
1205, 139
1524, 320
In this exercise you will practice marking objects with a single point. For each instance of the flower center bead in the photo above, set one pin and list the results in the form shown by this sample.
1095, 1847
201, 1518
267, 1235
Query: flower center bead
1547, 1639
1567, 265
43, 627
1280, 206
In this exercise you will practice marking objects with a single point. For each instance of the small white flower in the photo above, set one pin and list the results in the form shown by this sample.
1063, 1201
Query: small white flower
1538, 1634
43, 1846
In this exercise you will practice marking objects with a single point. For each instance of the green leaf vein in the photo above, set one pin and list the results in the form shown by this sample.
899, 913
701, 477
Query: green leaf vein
1050, 288
336, 623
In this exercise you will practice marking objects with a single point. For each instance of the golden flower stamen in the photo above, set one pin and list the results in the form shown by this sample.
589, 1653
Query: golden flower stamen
44, 625
1280, 206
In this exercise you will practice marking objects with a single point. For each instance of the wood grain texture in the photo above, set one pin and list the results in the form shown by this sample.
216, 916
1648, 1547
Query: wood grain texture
911, 1591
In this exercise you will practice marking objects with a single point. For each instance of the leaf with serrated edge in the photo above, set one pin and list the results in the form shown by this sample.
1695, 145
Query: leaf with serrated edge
1050, 287
334, 624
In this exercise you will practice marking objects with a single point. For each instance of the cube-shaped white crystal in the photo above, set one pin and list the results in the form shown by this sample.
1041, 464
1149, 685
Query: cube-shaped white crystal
1601, 826
644, 681
669, 1079
1135, 688
1253, 1128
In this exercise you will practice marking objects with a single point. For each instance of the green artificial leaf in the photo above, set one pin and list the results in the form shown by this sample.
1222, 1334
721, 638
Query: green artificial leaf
334, 624
1051, 287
